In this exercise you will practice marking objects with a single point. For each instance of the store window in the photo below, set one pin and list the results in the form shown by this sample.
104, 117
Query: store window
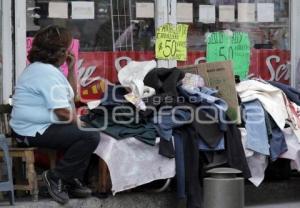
110, 33
266, 21
113, 32
272, 35
113, 25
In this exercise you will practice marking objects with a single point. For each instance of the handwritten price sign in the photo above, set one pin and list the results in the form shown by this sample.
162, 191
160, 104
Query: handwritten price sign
171, 42
222, 46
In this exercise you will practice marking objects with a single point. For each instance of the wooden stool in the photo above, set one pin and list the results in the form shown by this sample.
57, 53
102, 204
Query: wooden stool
51, 156
28, 155
104, 183
7, 185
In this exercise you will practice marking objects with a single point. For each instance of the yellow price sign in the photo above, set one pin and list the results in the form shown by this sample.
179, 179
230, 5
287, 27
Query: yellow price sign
171, 42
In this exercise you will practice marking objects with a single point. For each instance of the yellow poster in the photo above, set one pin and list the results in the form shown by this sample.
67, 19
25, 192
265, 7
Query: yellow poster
171, 42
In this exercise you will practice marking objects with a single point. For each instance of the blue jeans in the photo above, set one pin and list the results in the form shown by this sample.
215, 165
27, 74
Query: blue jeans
257, 136
204, 147
206, 97
277, 143
166, 122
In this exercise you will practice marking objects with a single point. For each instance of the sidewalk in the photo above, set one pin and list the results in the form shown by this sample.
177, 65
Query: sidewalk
281, 194
130, 200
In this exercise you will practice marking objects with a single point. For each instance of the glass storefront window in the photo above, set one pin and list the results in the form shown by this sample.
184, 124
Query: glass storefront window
115, 34
273, 35
111, 35
270, 40
113, 28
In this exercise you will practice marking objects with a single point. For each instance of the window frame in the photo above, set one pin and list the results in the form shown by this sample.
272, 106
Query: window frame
7, 48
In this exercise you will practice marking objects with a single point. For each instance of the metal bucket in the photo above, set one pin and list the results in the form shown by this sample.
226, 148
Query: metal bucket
223, 189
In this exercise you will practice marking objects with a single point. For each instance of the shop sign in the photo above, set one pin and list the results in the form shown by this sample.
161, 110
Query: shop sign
170, 43
270, 65
234, 46
96, 69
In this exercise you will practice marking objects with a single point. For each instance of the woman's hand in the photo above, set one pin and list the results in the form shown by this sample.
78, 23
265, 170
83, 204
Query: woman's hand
65, 114
71, 72
70, 61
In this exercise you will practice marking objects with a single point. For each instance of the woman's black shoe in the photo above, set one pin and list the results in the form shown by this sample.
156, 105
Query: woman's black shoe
55, 187
77, 189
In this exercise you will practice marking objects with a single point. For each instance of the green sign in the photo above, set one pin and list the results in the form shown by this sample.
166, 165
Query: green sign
170, 42
223, 46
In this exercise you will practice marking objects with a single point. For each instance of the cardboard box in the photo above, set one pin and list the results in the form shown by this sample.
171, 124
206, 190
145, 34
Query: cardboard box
219, 75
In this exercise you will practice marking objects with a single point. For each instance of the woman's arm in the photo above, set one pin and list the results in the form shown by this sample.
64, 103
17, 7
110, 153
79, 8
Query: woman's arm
71, 73
66, 114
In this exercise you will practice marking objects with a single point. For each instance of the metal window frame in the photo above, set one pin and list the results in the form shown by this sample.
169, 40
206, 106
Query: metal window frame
165, 12
20, 37
7, 54
120, 30
294, 40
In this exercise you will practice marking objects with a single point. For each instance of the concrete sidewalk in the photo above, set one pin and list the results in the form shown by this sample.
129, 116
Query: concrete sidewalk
281, 194
130, 200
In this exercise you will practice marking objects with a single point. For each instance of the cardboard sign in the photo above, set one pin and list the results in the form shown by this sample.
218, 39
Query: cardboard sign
74, 48
219, 75
171, 42
222, 46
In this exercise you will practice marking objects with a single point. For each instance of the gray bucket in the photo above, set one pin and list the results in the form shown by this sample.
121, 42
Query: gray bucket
223, 189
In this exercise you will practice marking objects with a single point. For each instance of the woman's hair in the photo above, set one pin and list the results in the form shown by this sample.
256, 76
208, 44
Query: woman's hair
50, 45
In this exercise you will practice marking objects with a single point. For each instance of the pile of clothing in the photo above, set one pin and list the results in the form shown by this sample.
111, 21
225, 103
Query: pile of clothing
188, 116
271, 115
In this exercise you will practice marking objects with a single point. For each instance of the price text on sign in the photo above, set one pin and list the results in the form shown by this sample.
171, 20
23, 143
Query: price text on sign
223, 46
171, 42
